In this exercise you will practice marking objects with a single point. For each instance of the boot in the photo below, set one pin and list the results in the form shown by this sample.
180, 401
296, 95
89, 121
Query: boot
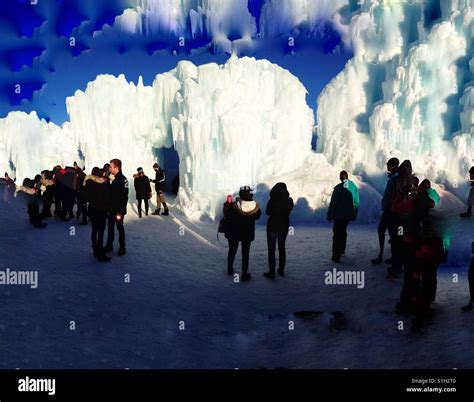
281, 272
467, 307
95, 251
157, 211
108, 248
377, 260
245, 277
388, 260
121, 250
140, 215
269, 275
465, 215
103, 258
167, 212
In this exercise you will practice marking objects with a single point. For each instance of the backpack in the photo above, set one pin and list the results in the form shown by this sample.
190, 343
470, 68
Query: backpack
223, 225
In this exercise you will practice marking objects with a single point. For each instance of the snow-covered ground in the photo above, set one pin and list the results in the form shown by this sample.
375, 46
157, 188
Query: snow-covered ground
181, 279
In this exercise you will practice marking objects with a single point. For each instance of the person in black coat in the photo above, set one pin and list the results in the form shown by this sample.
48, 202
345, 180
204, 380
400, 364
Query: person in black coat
9, 191
279, 208
386, 218
79, 176
160, 188
65, 191
95, 191
342, 210
241, 216
118, 206
142, 190
48, 195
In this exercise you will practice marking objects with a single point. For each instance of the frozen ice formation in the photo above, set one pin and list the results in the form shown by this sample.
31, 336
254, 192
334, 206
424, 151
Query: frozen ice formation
231, 125
408, 91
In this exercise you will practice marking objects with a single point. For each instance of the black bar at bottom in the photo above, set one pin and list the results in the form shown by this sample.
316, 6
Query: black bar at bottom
449, 385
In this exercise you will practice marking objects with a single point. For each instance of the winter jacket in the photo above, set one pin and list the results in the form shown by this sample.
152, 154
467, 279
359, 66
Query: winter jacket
97, 195
344, 202
9, 189
388, 193
160, 181
241, 217
79, 176
142, 187
119, 194
279, 207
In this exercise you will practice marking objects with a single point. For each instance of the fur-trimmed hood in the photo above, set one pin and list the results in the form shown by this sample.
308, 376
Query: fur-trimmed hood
246, 207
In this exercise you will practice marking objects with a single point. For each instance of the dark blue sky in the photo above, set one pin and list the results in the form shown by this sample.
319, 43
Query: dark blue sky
35, 53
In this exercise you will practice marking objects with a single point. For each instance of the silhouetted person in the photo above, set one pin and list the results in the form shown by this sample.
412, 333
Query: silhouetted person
279, 208
79, 176
386, 218
160, 188
118, 206
9, 189
96, 192
470, 198
342, 209
468, 306
401, 223
241, 216
48, 195
431, 249
57, 192
65, 189
142, 190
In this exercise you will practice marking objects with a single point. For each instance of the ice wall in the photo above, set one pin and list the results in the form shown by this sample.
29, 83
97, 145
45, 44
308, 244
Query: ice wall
29, 145
231, 125
206, 21
225, 23
407, 92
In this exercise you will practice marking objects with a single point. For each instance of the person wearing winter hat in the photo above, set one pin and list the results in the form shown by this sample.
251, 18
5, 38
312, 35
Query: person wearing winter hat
142, 190
241, 216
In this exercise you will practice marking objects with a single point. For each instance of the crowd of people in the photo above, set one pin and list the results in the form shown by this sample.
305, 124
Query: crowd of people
416, 228
100, 198
417, 231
